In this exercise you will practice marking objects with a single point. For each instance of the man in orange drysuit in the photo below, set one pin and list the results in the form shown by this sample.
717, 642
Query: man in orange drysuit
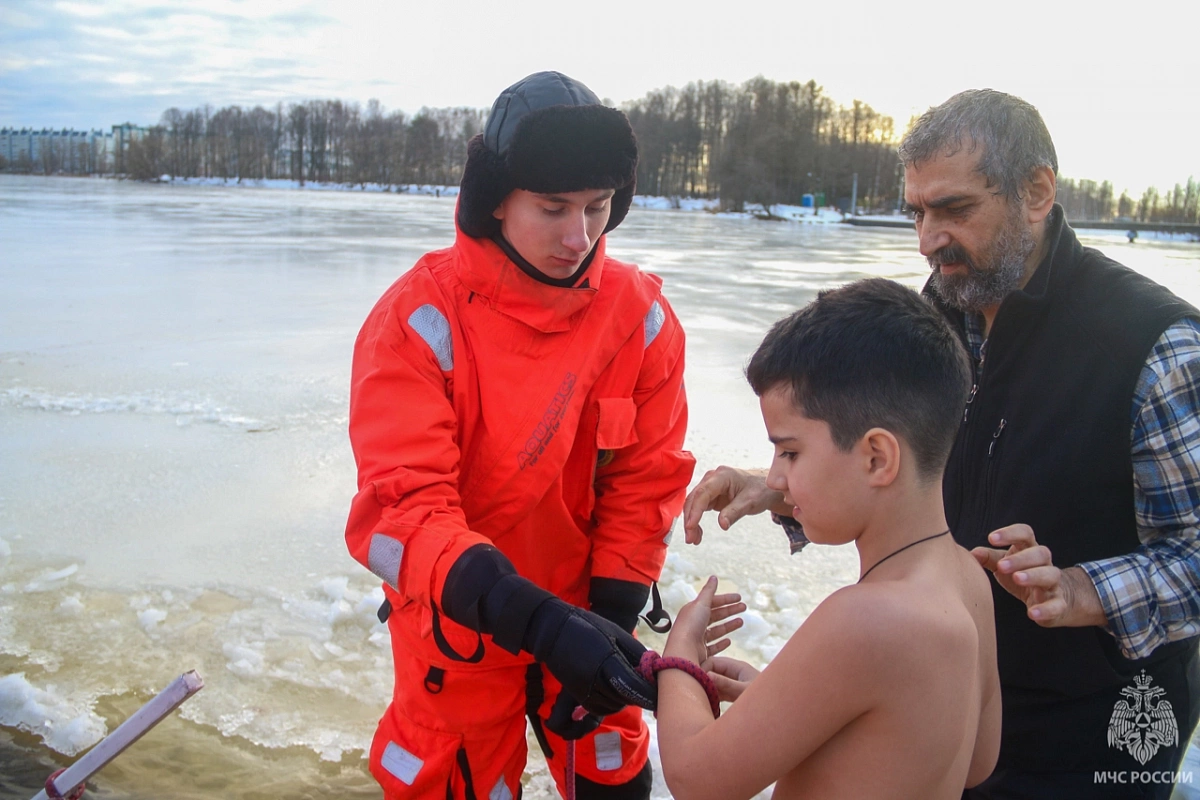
517, 414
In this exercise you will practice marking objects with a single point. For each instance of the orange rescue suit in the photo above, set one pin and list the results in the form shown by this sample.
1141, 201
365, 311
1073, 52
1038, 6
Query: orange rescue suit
487, 407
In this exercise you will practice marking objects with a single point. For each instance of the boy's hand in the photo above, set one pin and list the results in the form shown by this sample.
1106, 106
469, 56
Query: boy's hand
692, 637
1053, 597
733, 492
731, 677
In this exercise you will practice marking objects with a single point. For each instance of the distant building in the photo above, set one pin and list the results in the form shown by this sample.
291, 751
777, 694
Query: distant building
123, 136
51, 151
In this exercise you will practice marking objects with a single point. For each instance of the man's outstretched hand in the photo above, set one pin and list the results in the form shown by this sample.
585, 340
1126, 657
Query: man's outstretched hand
735, 493
1053, 597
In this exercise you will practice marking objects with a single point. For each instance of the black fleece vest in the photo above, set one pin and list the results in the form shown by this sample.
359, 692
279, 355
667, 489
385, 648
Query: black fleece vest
1045, 441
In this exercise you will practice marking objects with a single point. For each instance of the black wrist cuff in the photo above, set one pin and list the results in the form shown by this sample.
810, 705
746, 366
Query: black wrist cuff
618, 601
509, 608
471, 578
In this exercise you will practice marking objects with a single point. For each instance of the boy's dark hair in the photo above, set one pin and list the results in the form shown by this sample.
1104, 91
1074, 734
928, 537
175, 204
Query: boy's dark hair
871, 354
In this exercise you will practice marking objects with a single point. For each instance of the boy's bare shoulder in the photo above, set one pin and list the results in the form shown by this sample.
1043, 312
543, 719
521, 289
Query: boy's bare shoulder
902, 618
882, 611
942, 614
873, 623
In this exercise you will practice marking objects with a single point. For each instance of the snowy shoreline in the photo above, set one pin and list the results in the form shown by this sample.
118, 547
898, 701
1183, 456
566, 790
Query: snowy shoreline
826, 215
823, 216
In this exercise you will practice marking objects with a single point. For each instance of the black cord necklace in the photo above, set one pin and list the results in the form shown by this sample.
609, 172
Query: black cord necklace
901, 550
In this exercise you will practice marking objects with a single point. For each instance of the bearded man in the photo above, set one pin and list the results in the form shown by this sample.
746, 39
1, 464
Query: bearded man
1075, 474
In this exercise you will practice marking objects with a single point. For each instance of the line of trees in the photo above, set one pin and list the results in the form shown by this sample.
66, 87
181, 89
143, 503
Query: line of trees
321, 140
764, 142
761, 142
1088, 200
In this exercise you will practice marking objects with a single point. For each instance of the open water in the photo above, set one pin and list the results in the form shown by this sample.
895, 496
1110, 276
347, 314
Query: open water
175, 472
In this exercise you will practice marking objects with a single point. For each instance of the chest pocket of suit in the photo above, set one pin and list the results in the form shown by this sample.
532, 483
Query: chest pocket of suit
597, 448
615, 417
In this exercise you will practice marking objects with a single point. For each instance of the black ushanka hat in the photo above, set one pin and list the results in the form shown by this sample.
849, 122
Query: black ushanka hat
547, 133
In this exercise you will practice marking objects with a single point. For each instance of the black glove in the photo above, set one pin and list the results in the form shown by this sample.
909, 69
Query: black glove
594, 659
619, 602
561, 723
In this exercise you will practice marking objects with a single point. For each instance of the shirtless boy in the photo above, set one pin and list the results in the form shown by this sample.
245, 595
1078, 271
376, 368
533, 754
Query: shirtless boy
889, 688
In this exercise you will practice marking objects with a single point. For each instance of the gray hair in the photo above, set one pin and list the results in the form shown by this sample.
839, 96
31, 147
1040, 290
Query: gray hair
1009, 132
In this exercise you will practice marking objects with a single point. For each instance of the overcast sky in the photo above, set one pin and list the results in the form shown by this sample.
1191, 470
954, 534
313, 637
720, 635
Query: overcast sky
1118, 89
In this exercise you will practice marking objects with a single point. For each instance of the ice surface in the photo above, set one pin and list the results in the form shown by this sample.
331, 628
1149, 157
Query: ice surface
64, 725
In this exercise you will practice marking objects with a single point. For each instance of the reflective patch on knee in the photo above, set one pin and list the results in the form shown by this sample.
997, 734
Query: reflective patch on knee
500, 791
608, 751
401, 763
431, 325
653, 323
384, 559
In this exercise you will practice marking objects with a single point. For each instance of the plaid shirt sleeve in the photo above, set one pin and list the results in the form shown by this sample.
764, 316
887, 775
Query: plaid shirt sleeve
1152, 595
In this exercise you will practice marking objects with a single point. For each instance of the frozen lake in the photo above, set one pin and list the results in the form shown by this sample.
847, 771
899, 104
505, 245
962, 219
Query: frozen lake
175, 471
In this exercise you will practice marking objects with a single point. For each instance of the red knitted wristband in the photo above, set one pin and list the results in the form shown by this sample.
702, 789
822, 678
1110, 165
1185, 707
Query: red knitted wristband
652, 664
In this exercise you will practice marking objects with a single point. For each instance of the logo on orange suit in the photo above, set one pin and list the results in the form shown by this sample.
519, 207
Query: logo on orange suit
549, 424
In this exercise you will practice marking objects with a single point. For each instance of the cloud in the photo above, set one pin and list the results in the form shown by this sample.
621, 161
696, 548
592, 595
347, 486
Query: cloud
86, 64
1098, 75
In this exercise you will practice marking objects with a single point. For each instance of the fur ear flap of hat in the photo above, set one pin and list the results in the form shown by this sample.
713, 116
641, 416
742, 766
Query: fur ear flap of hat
485, 183
552, 143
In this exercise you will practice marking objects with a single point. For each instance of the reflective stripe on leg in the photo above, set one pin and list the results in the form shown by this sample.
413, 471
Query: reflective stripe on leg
401, 763
608, 751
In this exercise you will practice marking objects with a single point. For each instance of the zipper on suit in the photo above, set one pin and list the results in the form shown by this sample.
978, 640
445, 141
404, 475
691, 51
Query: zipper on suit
968, 502
996, 438
989, 473
978, 380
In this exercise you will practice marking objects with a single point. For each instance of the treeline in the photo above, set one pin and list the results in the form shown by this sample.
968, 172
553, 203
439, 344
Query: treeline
761, 142
321, 140
764, 142
1088, 200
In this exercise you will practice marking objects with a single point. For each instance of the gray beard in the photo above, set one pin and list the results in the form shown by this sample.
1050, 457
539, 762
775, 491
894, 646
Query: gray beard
987, 285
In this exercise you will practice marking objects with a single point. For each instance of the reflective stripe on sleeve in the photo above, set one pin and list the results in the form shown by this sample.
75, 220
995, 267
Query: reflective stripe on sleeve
431, 325
653, 323
384, 559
